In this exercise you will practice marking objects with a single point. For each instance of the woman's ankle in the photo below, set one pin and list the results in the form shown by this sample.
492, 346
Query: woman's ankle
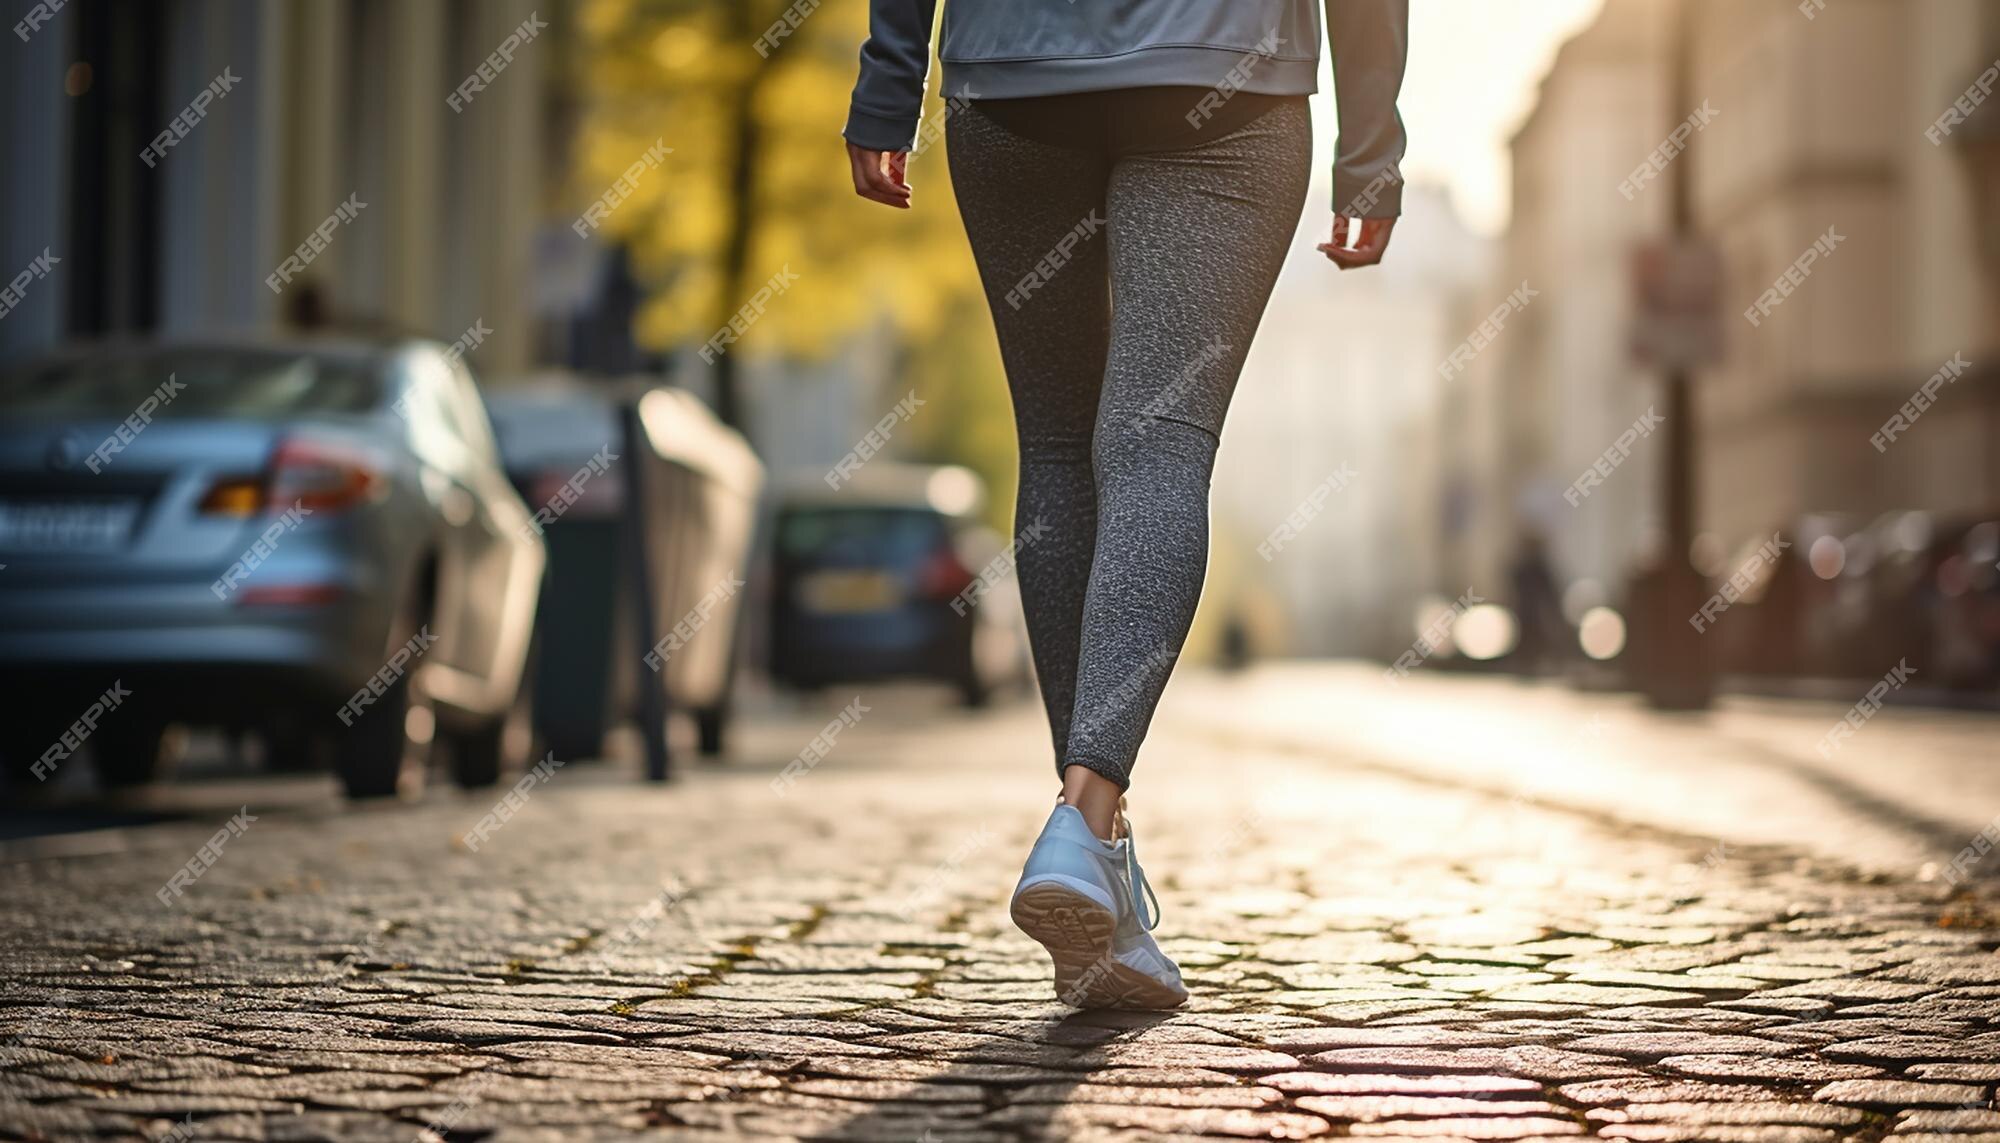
1095, 797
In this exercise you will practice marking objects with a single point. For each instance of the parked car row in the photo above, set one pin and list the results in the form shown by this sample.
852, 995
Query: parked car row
1851, 598
701, 489
318, 542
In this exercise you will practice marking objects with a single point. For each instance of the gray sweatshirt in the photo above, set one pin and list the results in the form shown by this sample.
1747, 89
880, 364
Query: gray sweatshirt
1007, 49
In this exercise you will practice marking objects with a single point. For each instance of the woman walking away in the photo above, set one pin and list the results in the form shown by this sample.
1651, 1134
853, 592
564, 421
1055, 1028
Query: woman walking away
1130, 173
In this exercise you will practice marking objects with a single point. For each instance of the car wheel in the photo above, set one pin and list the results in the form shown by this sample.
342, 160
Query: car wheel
391, 737
480, 755
128, 752
710, 724
388, 745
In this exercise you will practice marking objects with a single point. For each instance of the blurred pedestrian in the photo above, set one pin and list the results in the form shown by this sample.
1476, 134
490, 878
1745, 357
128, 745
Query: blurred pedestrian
1130, 173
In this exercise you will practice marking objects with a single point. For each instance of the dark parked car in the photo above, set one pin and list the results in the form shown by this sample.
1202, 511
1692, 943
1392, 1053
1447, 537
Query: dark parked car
891, 576
312, 540
565, 449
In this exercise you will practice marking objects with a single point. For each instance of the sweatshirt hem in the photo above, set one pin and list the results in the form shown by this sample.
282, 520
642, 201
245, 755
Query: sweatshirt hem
1175, 66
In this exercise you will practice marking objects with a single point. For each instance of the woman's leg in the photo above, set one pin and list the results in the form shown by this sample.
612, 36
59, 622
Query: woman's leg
1032, 199
1197, 235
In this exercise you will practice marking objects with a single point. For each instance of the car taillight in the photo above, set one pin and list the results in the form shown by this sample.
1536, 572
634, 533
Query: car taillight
942, 575
318, 476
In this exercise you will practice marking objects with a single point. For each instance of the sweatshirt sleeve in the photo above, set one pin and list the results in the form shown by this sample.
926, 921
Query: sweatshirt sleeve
1370, 41
889, 97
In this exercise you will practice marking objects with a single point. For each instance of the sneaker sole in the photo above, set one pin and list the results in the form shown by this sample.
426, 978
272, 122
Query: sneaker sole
1079, 932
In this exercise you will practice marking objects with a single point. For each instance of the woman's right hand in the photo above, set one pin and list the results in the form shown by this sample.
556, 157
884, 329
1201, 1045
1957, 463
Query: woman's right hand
879, 175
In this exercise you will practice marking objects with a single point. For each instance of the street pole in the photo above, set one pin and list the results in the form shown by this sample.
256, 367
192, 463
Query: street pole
639, 572
1682, 675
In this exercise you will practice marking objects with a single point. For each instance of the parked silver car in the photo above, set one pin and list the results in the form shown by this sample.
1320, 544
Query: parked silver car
312, 540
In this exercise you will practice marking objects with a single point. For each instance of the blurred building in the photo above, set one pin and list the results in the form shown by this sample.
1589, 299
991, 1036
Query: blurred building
1345, 377
1820, 122
323, 103
1831, 133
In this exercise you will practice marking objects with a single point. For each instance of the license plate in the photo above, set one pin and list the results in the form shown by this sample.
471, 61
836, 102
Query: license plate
66, 525
843, 593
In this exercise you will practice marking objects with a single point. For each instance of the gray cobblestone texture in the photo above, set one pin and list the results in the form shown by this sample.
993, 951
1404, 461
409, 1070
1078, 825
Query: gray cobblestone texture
1374, 950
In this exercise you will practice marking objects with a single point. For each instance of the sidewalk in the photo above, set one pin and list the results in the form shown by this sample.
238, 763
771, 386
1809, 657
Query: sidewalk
1908, 790
1372, 953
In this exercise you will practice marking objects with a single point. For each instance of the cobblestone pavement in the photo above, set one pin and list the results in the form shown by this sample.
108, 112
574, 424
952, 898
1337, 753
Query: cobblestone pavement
1372, 954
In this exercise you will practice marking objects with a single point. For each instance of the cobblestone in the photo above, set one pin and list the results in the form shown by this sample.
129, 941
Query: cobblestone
1371, 954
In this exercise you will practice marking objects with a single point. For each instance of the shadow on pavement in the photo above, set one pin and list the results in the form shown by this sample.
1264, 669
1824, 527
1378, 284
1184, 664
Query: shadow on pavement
1026, 1120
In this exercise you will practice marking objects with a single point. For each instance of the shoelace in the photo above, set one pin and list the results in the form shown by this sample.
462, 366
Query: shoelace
1143, 897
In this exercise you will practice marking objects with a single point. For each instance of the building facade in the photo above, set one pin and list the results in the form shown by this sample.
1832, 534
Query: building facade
1811, 128
335, 108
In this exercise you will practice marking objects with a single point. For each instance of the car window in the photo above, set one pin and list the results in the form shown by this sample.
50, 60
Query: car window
206, 383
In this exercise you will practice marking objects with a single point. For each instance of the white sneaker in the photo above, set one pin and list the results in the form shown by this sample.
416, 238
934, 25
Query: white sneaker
1088, 903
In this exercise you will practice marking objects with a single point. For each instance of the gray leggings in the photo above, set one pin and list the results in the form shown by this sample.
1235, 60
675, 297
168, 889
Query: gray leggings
1127, 256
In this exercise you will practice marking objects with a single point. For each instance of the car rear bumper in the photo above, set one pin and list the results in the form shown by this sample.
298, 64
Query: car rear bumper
187, 651
859, 648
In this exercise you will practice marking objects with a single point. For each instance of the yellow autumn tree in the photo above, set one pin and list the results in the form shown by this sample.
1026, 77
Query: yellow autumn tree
757, 183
